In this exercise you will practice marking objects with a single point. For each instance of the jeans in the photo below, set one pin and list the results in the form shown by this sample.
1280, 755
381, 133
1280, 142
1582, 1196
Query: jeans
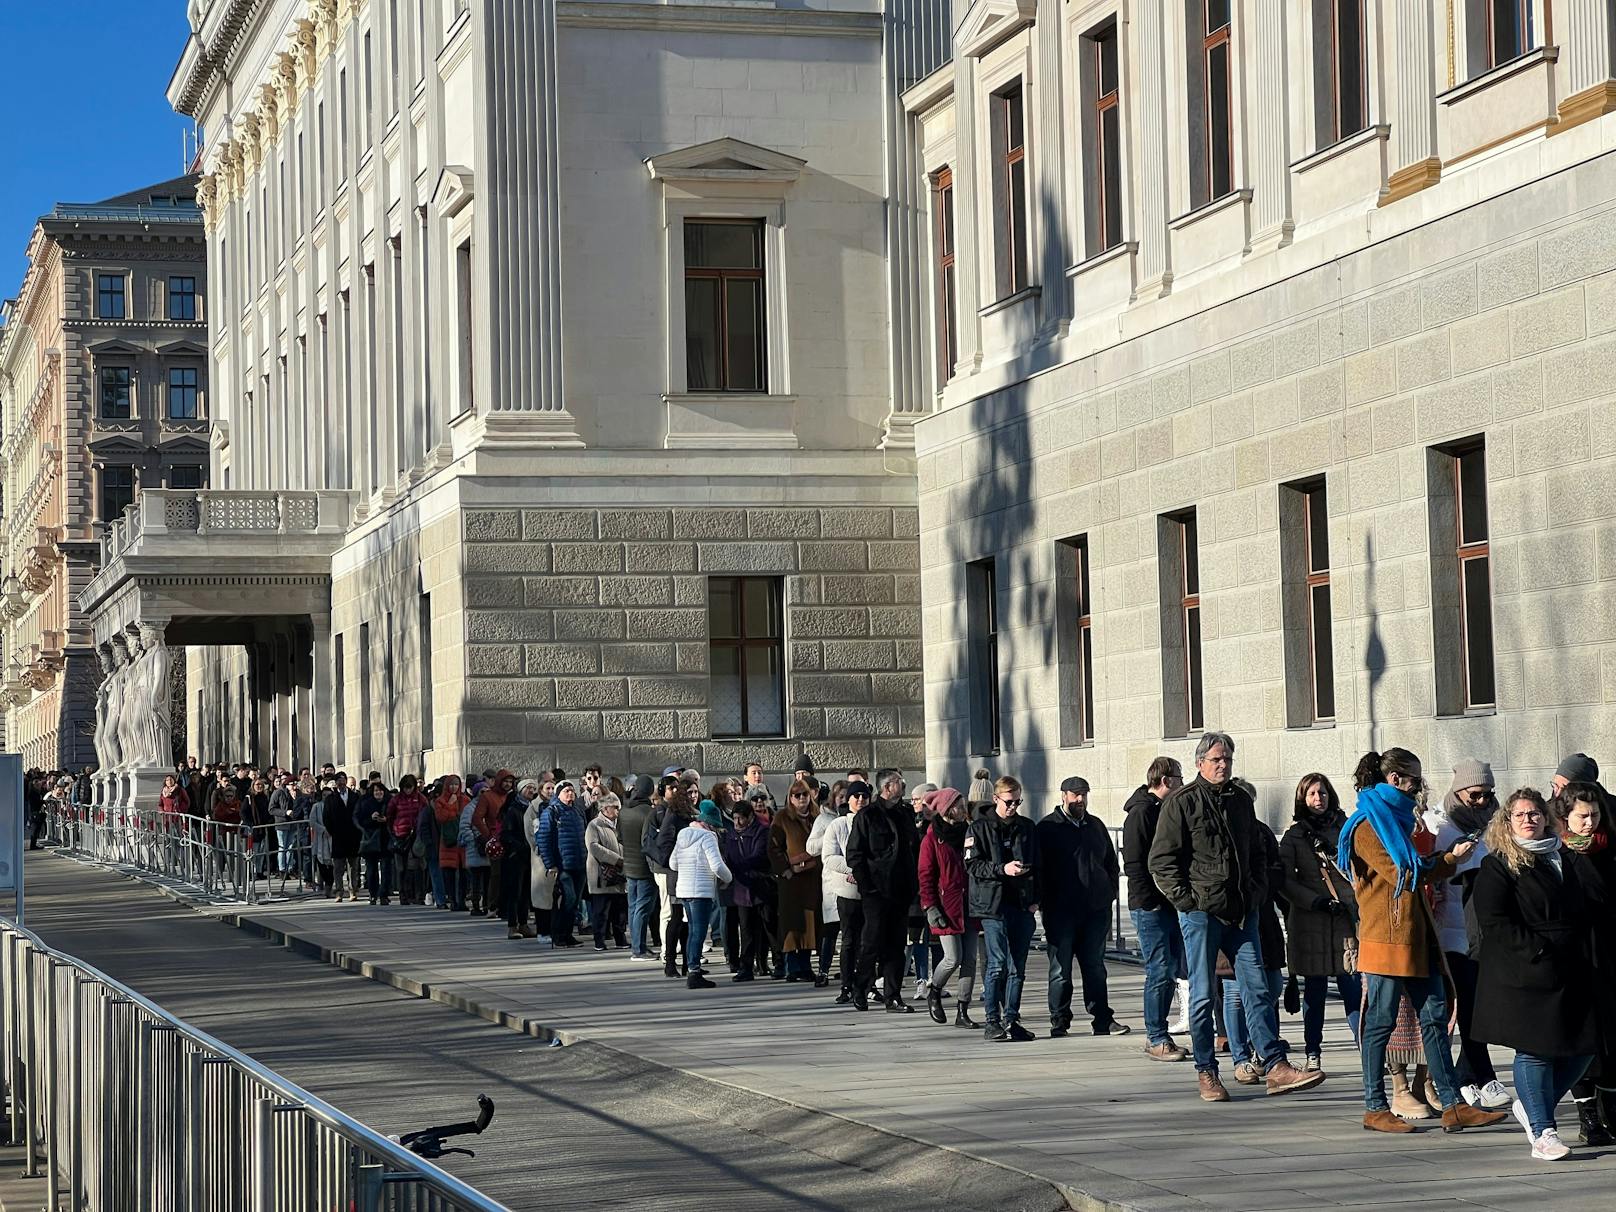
569, 889
1475, 1065
1234, 1020
1315, 994
1204, 937
1163, 947
1008, 937
1542, 1081
716, 934
436, 873
699, 913
1083, 936
642, 898
1380, 1016
287, 839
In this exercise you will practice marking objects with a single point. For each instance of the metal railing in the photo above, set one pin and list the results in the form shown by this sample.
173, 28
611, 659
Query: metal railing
121, 1107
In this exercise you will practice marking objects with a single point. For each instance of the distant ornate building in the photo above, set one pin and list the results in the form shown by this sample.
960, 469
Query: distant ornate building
103, 391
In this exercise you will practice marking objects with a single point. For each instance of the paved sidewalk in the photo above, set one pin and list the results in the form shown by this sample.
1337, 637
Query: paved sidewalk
1093, 1115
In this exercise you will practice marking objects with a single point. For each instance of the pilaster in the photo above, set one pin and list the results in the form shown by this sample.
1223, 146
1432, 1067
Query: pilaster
1414, 161
1588, 59
1154, 182
1052, 226
1267, 89
967, 261
906, 255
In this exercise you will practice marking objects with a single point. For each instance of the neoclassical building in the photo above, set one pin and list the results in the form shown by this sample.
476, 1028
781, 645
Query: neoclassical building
563, 389
103, 392
1273, 361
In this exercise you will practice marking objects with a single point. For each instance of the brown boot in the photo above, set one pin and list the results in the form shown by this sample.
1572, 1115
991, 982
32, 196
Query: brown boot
1285, 1078
1212, 1090
1462, 1115
1384, 1121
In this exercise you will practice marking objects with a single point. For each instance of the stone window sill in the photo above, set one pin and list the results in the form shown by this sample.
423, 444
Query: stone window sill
1009, 301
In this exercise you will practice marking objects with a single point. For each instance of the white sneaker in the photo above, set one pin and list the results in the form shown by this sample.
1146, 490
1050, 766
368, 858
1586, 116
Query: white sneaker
641, 959
920, 991
1493, 1096
1549, 1146
1519, 1110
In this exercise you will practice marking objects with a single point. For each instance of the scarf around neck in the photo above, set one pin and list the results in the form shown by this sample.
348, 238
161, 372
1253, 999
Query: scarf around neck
1586, 843
1390, 813
1539, 845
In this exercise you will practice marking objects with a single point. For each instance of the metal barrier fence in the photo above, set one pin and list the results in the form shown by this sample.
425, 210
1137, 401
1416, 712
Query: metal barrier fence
129, 1109
240, 862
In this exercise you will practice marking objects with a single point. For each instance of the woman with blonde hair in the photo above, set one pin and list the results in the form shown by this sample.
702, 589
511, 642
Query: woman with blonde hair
798, 883
1536, 904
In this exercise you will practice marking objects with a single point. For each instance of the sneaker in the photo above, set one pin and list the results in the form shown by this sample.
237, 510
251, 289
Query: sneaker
600, 946
1491, 1097
1168, 1051
1285, 1078
1212, 1089
993, 1033
1519, 1108
1058, 1032
1549, 1146
1112, 1028
1246, 1074
1018, 1033
1313, 1063
920, 991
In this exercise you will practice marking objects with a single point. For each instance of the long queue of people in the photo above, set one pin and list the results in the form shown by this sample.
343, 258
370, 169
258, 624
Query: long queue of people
1413, 911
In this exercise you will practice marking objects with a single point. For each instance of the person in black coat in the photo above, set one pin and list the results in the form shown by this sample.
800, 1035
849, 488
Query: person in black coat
1076, 878
1536, 905
344, 831
883, 854
1585, 829
1155, 921
1001, 862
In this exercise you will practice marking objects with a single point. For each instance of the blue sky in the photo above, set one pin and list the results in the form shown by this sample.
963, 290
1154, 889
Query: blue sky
87, 117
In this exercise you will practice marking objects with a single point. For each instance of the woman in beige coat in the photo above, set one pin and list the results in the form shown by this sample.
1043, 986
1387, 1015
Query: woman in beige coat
541, 880
608, 890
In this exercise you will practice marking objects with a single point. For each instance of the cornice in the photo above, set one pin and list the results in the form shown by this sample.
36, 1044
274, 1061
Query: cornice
701, 18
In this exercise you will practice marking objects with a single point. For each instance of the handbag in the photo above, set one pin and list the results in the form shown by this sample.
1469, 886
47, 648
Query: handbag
611, 876
491, 847
1349, 945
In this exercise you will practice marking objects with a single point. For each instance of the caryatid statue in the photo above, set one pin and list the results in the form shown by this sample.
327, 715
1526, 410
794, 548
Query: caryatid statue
103, 730
115, 684
159, 738
127, 644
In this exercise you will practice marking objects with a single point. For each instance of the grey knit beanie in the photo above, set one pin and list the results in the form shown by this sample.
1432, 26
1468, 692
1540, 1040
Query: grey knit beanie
1472, 772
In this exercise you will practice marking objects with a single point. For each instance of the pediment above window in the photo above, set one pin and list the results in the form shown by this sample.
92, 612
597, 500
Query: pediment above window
110, 349
183, 349
989, 22
453, 192
726, 162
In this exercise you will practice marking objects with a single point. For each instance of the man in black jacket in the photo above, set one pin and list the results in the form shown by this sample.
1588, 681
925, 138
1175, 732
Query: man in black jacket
1001, 857
642, 889
1155, 922
883, 853
1209, 861
1077, 884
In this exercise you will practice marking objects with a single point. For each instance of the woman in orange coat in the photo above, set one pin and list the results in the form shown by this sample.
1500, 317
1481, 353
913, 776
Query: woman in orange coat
446, 809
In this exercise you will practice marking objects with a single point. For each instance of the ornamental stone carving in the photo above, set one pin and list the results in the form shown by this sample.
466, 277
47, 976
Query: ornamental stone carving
135, 701
158, 739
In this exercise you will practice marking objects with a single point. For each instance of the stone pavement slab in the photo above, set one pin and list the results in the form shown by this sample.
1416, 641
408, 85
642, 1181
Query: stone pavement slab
1090, 1114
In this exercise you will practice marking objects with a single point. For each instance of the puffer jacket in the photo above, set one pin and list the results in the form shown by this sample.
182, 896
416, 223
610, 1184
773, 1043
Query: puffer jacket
1143, 811
1207, 856
697, 865
835, 876
992, 844
823, 823
561, 837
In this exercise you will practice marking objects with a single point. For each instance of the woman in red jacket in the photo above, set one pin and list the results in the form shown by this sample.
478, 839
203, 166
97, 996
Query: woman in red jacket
446, 809
942, 896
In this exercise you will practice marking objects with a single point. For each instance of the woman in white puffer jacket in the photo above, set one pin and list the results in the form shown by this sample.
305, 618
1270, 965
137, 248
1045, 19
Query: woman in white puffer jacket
837, 884
698, 868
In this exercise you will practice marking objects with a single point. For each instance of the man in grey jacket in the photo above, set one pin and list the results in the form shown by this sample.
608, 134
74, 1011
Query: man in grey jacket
642, 889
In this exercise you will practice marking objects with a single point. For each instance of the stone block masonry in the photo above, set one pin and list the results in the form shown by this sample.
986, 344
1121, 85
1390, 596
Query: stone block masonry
587, 635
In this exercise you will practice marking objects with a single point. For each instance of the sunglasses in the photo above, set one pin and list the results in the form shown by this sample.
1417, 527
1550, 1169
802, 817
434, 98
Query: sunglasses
1011, 803
799, 795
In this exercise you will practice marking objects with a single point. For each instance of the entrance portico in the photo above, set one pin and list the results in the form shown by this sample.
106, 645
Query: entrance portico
214, 568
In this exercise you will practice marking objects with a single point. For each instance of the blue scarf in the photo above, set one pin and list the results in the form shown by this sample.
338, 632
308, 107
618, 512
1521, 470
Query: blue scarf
1390, 813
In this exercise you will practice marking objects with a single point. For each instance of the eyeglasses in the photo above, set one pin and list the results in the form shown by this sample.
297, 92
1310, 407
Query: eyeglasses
1530, 814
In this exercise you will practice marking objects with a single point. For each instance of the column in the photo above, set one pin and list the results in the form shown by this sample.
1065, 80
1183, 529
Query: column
907, 339
282, 689
1586, 57
1268, 157
1414, 161
1052, 228
322, 731
967, 263
1154, 183
521, 397
303, 695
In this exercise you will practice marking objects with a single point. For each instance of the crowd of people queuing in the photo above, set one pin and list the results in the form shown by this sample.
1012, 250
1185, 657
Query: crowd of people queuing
1418, 914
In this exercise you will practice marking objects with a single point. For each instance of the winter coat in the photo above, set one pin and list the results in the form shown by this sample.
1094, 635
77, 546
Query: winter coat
672, 824
1316, 937
1077, 868
1143, 811
697, 865
1396, 934
651, 840
631, 827
1449, 897
283, 805
403, 810
1270, 933
471, 831
488, 810
340, 824
446, 810
992, 844
319, 835
1535, 990
540, 879
255, 813
798, 891
174, 803
372, 833
944, 883
828, 843
746, 854
883, 851
560, 838
605, 850
1207, 855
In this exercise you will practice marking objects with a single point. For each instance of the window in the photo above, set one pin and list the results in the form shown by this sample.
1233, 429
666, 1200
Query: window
1009, 190
389, 687
982, 655
1105, 143
319, 158
370, 108
1342, 102
185, 477
393, 65
115, 393
947, 325
466, 315
1220, 145
109, 293
724, 337
1509, 30
364, 692
429, 435
182, 393
1180, 572
747, 656
339, 703
342, 140
1305, 600
1461, 579
1075, 647
117, 491
425, 628
182, 298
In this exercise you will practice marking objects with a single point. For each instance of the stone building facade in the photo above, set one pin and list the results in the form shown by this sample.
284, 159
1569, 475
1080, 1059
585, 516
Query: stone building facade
1289, 417
103, 391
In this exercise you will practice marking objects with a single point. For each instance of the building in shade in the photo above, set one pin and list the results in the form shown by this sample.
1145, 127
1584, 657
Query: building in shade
1273, 355
103, 392
563, 409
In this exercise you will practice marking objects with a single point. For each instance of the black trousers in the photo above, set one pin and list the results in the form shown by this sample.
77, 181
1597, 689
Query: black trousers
852, 931
886, 927
1475, 1066
751, 936
608, 914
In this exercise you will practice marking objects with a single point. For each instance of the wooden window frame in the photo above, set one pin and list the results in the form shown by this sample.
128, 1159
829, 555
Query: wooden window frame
1335, 70
1084, 626
723, 276
1212, 39
1189, 534
1101, 38
984, 625
1467, 553
1014, 214
743, 644
942, 189
1523, 30
1314, 497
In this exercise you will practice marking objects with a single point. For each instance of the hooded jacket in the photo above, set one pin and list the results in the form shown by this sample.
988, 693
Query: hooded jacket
1207, 855
883, 851
1143, 811
1077, 865
943, 881
631, 828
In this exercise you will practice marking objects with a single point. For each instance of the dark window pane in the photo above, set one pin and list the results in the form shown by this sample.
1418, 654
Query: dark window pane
1217, 14
1192, 645
115, 393
723, 246
1015, 124
1509, 32
185, 477
761, 614
1349, 67
1478, 631
1192, 555
1105, 44
765, 697
945, 220
726, 691
1083, 607
1218, 141
1473, 496
1111, 175
701, 334
745, 316
723, 608
1318, 531
182, 298
1088, 684
1323, 655
1018, 223
949, 306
